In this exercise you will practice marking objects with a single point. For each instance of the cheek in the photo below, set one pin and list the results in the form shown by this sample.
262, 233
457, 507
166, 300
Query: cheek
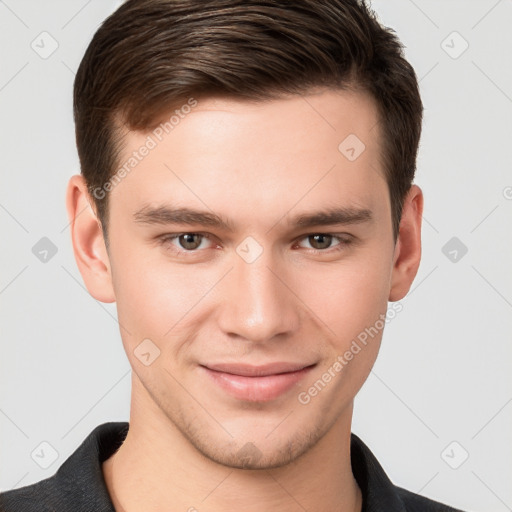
159, 299
348, 296
151, 296
350, 301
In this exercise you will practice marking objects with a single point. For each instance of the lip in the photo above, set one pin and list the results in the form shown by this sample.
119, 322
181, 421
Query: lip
256, 383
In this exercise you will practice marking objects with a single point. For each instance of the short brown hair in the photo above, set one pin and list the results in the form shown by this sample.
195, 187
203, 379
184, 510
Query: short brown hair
152, 55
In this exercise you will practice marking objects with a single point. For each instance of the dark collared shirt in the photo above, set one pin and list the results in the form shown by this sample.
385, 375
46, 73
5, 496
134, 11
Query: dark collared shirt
79, 486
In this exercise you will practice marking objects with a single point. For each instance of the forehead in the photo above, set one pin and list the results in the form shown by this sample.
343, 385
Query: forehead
295, 124
256, 157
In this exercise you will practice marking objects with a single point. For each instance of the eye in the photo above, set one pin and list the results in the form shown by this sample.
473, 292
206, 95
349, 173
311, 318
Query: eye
320, 242
194, 242
186, 242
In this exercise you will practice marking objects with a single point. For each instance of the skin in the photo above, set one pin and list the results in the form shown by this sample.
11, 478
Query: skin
258, 165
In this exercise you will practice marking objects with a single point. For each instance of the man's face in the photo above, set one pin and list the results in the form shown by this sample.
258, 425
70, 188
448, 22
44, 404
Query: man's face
267, 290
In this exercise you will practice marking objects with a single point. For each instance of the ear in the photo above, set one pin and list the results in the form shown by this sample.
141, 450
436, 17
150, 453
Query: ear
408, 246
88, 244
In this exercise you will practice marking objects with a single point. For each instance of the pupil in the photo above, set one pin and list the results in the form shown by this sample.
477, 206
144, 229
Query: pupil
189, 242
324, 240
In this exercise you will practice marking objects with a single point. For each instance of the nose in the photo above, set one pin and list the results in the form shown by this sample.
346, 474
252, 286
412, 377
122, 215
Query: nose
258, 304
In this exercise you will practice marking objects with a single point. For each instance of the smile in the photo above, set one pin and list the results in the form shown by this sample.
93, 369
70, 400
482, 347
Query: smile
256, 384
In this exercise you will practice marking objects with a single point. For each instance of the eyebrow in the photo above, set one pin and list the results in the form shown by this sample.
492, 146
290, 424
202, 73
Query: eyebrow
164, 215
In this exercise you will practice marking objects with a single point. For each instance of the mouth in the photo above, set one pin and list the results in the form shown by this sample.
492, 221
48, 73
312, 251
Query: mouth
256, 383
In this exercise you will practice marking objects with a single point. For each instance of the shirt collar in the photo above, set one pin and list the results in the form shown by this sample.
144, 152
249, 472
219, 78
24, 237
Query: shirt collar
80, 484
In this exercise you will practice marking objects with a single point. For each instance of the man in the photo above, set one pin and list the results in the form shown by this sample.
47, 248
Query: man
246, 199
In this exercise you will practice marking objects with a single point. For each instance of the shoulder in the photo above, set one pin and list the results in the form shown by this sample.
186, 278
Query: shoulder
35, 497
78, 484
416, 503
379, 492
54, 494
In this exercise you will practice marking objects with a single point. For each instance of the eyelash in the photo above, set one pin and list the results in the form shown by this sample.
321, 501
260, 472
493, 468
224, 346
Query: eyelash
344, 241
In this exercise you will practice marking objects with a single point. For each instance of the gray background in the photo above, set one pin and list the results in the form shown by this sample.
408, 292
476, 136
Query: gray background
441, 389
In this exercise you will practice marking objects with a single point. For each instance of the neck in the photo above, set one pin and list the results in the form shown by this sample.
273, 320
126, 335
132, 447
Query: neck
157, 468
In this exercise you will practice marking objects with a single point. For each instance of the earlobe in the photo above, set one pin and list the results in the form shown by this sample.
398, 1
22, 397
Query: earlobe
407, 256
88, 244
